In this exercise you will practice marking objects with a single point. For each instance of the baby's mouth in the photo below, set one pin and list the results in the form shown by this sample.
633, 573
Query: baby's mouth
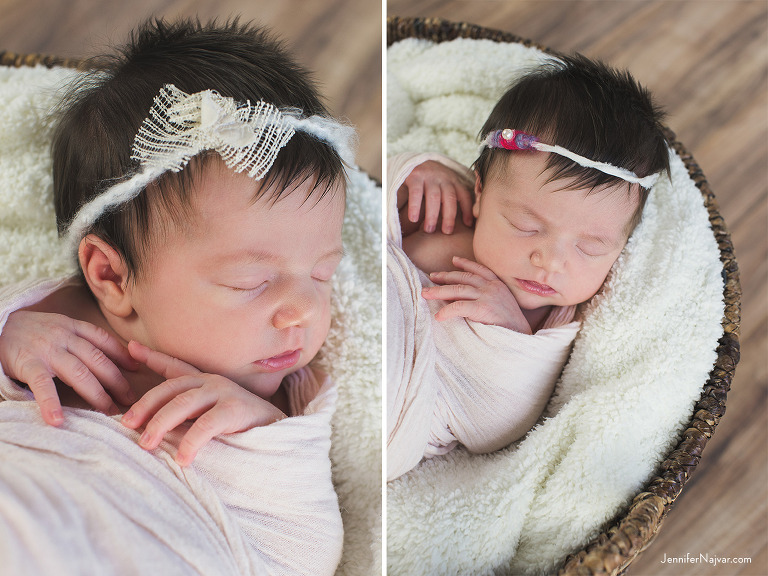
536, 288
280, 362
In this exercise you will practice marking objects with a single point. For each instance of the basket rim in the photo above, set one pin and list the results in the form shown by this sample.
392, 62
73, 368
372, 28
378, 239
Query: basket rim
18, 60
626, 537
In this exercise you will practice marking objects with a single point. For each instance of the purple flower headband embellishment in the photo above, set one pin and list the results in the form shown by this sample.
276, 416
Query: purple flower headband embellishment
516, 140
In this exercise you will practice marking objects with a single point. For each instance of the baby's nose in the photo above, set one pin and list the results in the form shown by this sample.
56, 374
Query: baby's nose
551, 257
296, 308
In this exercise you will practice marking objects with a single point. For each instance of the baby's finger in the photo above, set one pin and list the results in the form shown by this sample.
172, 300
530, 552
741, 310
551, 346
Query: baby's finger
458, 277
450, 292
102, 368
465, 202
415, 195
40, 382
77, 375
212, 423
162, 364
474, 268
186, 406
458, 309
432, 201
104, 341
449, 208
223, 418
158, 397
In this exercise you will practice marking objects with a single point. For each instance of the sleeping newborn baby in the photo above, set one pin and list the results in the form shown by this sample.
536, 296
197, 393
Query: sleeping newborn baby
481, 317
180, 196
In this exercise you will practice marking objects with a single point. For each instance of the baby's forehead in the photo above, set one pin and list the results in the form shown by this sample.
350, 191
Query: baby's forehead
561, 205
529, 172
208, 195
206, 178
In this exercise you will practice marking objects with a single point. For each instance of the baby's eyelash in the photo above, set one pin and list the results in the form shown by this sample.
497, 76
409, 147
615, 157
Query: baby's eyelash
256, 289
523, 230
588, 254
325, 273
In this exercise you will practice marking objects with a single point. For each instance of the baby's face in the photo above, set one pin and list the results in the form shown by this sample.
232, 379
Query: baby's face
552, 246
243, 289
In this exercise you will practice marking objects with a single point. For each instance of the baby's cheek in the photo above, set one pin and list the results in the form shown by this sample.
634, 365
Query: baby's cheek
325, 321
594, 283
319, 331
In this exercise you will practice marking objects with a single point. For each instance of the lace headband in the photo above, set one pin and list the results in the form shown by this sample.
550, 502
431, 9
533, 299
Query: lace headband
179, 126
516, 140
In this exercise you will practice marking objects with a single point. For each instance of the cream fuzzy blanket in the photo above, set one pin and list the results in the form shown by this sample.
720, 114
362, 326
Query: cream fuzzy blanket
29, 248
643, 354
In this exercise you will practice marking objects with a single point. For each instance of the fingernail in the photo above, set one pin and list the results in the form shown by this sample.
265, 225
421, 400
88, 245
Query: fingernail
145, 439
429, 229
138, 347
128, 416
57, 417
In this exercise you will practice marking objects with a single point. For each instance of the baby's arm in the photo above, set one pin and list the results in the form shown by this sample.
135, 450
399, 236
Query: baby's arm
476, 294
434, 185
36, 347
219, 405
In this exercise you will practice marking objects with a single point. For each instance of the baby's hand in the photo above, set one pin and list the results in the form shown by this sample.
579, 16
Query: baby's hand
437, 184
219, 405
36, 347
476, 294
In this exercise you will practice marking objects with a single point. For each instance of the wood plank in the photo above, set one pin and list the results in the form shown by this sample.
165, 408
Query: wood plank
339, 39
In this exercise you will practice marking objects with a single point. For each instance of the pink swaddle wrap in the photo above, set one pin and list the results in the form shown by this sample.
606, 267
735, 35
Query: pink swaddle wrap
457, 381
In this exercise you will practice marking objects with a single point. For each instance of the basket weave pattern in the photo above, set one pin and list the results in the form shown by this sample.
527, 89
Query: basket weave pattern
14, 60
614, 549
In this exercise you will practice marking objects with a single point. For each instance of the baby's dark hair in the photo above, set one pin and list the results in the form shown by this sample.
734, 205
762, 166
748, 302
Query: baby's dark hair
588, 108
99, 119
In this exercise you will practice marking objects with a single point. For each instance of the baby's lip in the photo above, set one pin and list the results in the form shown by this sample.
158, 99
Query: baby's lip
536, 287
279, 362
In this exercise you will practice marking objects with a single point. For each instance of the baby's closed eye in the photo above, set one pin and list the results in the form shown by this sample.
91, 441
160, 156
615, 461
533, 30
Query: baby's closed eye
527, 228
251, 289
593, 250
323, 271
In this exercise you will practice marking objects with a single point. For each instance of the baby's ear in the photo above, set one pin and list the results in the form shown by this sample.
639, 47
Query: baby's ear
478, 192
107, 275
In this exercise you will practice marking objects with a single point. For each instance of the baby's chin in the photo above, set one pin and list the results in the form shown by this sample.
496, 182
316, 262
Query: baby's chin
265, 385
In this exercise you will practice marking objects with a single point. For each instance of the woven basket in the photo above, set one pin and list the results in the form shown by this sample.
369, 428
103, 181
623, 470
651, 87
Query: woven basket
12, 59
613, 550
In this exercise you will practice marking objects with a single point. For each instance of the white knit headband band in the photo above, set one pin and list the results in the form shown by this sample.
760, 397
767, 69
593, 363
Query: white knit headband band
179, 126
515, 140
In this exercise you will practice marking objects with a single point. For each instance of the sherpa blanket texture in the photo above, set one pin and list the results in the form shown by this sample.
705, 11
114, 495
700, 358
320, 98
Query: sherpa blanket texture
30, 249
644, 352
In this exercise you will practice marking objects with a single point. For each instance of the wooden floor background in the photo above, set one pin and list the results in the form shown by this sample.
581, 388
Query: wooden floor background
340, 40
706, 62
